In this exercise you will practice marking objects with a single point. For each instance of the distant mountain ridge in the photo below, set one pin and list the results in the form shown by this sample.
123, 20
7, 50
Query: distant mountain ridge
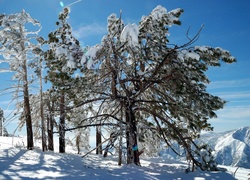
231, 147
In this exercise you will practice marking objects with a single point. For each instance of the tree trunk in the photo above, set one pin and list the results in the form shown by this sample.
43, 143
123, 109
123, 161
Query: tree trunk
27, 112
120, 151
62, 124
1, 127
30, 144
98, 141
78, 140
44, 145
26, 104
50, 126
1, 122
131, 137
129, 146
120, 136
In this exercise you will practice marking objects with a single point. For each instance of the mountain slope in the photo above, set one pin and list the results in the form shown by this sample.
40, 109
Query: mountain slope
231, 147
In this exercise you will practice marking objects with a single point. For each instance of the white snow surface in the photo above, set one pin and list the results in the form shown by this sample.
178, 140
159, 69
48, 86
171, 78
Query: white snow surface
18, 163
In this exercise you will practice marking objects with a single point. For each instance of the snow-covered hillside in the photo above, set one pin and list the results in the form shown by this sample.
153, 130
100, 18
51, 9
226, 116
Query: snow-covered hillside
231, 147
18, 163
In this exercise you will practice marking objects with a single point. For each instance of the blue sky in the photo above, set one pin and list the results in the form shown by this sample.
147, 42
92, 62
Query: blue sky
226, 25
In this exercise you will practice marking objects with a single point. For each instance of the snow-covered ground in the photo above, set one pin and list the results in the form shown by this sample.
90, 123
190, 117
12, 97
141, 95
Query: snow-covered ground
18, 163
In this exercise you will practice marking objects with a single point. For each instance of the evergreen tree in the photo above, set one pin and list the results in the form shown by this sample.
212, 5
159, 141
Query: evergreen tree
143, 75
62, 60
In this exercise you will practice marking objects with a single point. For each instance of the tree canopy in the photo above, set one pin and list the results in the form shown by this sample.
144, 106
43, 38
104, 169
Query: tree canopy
135, 85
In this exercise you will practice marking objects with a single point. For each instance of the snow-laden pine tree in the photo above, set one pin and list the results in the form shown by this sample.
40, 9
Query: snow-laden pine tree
121, 70
62, 59
143, 75
16, 47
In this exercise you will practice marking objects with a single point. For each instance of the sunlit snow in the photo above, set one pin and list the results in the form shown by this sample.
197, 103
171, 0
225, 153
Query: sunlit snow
19, 163
130, 34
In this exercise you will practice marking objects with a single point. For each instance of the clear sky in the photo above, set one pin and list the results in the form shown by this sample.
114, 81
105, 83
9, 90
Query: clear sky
226, 25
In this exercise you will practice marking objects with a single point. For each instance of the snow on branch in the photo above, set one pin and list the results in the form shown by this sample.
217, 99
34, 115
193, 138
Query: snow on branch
130, 33
158, 12
90, 56
215, 54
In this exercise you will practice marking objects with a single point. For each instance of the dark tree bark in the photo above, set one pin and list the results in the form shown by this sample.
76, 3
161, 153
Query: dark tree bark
120, 152
1, 122
78, 140
50, 127
98, 141
62, 124
30, 144
50, 124
131, 137
26, 104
